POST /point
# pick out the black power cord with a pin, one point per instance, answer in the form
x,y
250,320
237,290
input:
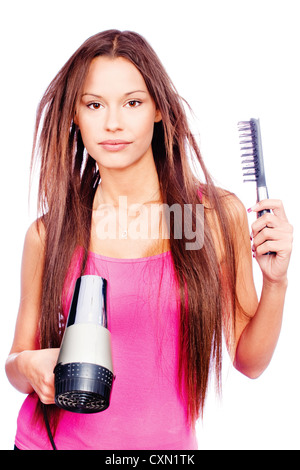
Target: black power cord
x,y
46,420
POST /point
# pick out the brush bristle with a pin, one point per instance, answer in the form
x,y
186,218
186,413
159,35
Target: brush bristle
x,y
248,146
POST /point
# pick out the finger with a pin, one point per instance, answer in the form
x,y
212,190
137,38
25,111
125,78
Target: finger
x,y
47,400
47,395
275,205
270,221
273,246
264,235
267,247
267,220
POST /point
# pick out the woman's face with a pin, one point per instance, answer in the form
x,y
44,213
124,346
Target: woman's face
x,y
116,114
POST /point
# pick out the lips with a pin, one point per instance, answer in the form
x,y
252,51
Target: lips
x,y
114,145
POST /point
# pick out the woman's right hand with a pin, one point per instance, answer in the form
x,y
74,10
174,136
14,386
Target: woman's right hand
x,y
37,366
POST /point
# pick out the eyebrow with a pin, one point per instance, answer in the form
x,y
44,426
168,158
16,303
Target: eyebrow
x,y
125,94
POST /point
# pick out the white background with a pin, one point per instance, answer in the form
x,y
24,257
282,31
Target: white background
x,y
231,60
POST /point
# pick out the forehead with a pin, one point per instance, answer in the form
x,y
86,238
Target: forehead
x,y
118,74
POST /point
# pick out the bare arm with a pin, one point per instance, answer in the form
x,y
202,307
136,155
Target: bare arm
x,y
257,340
28,368
258,322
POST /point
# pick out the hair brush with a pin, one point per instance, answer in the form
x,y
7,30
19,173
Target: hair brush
x,y
252,159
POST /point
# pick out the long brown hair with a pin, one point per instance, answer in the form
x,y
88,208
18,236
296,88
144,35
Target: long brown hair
x,y
68,181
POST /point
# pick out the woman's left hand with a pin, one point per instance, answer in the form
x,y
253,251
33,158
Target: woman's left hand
x,y
272,233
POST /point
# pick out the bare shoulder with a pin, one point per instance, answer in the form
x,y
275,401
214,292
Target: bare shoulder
x,y
228,199
235,206
237,215
232,204
33,254
235,218
36,235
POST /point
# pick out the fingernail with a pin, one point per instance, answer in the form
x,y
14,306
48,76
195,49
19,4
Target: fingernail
x,y
249,210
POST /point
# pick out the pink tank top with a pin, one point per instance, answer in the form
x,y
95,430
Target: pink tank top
x,y
146,410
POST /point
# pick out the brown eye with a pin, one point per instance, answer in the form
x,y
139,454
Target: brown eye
x,y
94,105
134,103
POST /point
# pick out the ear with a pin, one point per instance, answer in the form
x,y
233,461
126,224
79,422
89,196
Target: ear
x,y
157,117
75,120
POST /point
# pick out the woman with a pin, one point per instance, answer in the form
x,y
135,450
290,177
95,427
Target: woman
x,y
112,116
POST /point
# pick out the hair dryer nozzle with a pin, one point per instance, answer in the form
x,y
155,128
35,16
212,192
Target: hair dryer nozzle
x,y
84,370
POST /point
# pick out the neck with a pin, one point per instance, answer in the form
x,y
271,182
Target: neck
x,y
139,186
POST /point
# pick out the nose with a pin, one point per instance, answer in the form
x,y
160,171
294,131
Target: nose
x,y
113,119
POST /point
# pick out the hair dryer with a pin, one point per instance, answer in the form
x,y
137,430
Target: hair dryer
x,y
84,369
